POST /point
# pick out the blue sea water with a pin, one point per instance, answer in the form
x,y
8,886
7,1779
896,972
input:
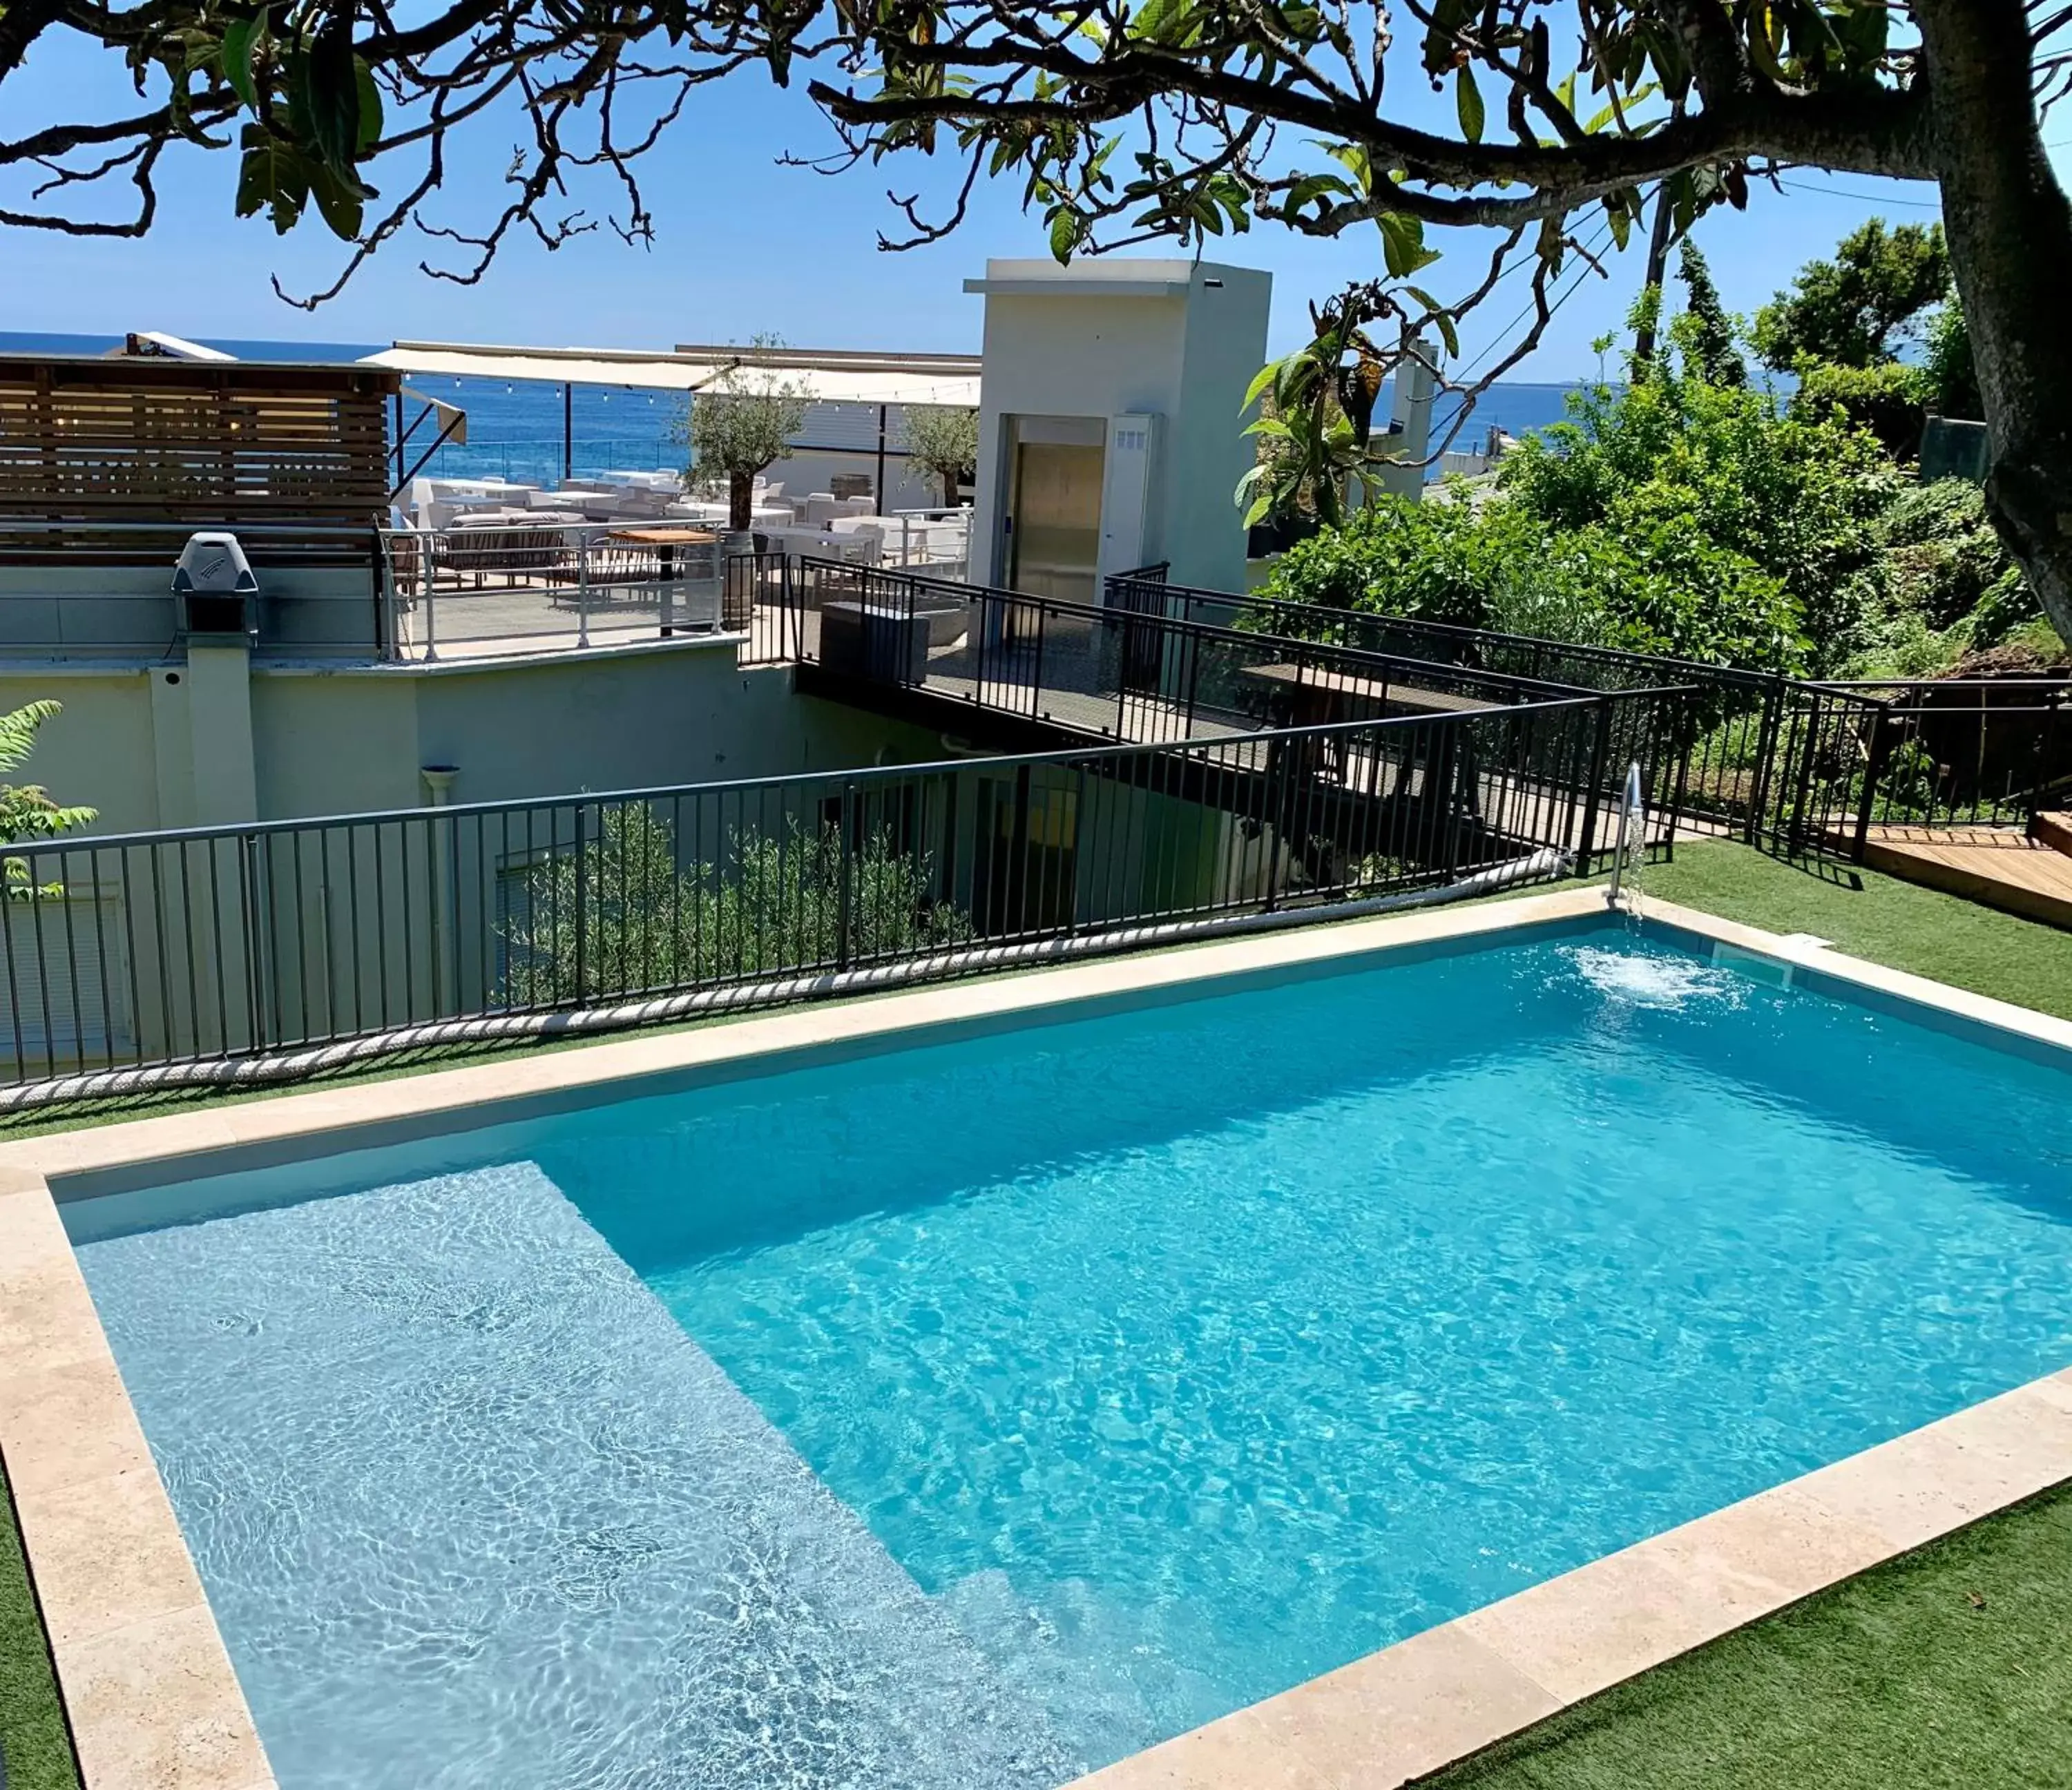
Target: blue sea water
x,y
1115,1371
514,426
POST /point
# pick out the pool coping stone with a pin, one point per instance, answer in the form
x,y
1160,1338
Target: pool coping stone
x,y
154,1703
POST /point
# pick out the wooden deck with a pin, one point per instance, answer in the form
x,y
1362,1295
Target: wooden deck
x,y
1999,866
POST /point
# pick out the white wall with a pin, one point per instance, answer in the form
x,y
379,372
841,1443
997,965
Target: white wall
x,y
335,740
1178,340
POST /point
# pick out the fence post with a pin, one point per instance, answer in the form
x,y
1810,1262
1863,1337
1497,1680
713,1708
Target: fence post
x,y
1766,749
1880,750
1036,676
428,544
253,901
582,590
842,879
1600,755
1682,731
2048,760
582,904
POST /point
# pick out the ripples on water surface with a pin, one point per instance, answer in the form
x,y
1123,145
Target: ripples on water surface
x,y
970,1415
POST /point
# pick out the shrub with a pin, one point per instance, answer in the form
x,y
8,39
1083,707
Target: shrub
x,y
1794,495
1646,578
1941,553
775,905
1888,400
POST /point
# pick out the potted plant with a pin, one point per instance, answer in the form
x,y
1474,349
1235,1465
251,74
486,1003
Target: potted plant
x,y
943,437
740,423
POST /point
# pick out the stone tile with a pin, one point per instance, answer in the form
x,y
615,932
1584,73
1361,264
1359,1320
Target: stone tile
x,y
32,1236
19,1178
1922,1485
47,1319
1404,1711
69,1424
1757,1556
155,1706
1239,1752
107,1553
1588,1629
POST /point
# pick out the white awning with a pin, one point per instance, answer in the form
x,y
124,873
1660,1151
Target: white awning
x,y
885,381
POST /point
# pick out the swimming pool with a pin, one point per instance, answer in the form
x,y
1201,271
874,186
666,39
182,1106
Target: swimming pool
x,y
978,1412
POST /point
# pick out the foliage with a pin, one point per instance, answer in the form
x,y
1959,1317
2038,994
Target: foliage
x,y
1649,583
1315,421
1885,400
1793,495
741,423
1677,514
1854,311
943,437
1714,356
1945,584
1950,381
778,904
26,811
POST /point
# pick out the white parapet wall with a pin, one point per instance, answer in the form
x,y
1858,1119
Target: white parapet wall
x,y
1145,363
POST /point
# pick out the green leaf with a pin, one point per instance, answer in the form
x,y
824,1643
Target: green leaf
x,y
370,107
1403,245
1622,224
1264,377
238,38
1468,97
340,200
330,92
272,176
1161,20
1064,234
1353,158
1442,319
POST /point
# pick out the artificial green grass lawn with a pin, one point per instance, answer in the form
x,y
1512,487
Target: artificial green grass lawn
x,y
1899,925
1952,1667
35,1747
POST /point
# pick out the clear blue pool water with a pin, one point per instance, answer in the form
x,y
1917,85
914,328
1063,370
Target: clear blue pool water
x,y
974,1414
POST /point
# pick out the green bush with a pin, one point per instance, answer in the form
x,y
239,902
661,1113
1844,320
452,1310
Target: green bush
x,y
1793,495
1645,579
1886,400
1438,561
1941,553
775,905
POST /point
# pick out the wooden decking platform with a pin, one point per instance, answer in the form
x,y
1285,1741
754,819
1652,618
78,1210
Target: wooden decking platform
x,y
2000,866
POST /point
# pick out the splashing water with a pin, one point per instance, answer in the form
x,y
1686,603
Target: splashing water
x,y
1665,982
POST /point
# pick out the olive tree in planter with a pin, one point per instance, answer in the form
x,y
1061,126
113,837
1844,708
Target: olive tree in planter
x,y
743,421
943,437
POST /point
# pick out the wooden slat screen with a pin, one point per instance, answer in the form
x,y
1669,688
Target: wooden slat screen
x,y
191,445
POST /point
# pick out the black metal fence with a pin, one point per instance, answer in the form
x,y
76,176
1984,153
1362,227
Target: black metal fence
x,y
1107,671
1790,765
212,946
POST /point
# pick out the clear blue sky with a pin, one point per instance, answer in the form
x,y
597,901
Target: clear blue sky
x,y
746,245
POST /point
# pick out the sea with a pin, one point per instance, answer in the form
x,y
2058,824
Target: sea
x,y
514,426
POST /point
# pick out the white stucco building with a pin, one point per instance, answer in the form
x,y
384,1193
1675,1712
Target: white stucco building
x,y
1112,419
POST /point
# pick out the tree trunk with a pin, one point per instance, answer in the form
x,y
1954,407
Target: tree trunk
x,y
740,501
2010,231
1658,272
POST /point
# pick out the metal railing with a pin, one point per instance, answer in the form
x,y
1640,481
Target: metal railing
x,y
516,586
1108,672
1953,753
165,952
1794,764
